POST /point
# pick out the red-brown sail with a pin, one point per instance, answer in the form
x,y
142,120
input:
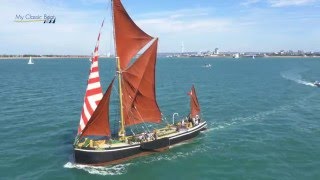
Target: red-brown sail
x,y
98,124
130,39
139,96
194,104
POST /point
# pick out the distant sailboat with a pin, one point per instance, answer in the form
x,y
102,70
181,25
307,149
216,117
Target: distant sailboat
x,y
95,143
30,60
207,66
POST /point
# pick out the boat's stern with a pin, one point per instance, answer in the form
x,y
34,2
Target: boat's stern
x,y
204,126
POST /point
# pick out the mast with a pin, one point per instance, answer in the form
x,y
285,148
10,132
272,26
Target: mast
x,y
137,80
122,131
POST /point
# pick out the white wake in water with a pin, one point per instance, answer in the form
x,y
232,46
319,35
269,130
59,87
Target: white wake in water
x,y
100,170
296,78
250,119
258,116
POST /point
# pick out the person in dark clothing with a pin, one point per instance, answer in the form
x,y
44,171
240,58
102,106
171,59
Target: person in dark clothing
x,y
190,120
155,136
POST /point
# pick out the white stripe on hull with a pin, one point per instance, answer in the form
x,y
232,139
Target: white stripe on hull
x,y
189,131
108,150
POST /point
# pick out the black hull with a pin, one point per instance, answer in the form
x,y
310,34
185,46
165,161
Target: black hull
x,y
155,145
175,139
112,155
187,135
83,156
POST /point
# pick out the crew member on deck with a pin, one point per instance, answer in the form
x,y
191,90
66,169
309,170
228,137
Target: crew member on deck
x,y
178,128
198,118
190,120
183,123
155,134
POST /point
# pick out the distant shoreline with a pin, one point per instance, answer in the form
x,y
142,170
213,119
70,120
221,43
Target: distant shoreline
x,y
55,57
291,57
205,57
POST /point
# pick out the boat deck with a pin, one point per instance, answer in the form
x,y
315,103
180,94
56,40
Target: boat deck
x,y
166,132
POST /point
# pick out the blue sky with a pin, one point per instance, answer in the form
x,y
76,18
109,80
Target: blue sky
x,y
242,25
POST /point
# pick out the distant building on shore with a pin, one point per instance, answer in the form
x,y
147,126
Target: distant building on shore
x,y
216,51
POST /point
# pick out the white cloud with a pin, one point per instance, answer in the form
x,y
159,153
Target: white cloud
x,y
178,13
249,2
188,25
282,3
164,25
182,20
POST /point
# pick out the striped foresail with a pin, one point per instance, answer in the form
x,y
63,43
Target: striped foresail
x,y
93,93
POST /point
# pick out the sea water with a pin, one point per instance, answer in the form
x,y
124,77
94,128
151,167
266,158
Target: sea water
x,y
263,119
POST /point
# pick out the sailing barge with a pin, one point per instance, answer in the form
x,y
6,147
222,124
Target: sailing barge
x,y
137,102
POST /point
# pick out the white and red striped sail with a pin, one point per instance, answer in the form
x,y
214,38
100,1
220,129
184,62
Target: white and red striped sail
x,y
93,93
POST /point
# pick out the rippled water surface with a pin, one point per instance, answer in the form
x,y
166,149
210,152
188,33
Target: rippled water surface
x,y
262,115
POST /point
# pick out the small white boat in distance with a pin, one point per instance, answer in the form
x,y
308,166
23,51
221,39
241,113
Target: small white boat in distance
x,y
30,60
207,66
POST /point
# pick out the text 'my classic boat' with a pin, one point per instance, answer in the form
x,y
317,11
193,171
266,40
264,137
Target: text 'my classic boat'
x,y
95,143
